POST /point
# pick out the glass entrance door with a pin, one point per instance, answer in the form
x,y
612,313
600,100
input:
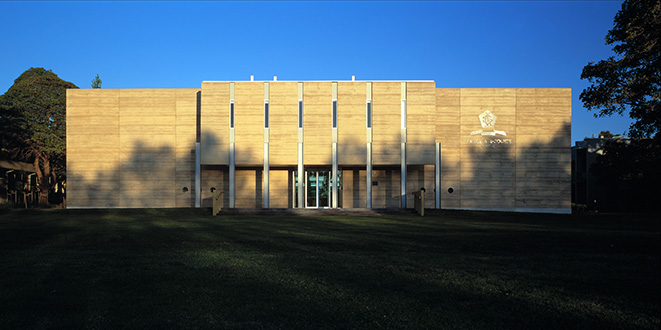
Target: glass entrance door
x,y
317,189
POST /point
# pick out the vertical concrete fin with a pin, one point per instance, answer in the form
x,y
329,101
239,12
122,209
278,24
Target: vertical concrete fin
x,y
232,169
198,190
403,134
437,175
300,170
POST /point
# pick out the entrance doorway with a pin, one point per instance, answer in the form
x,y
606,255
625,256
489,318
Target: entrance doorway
x,y
317,188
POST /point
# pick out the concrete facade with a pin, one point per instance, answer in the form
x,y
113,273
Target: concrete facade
x,y
489,148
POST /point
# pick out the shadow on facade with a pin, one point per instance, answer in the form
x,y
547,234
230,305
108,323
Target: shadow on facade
x,y
514,176
147,175
494,176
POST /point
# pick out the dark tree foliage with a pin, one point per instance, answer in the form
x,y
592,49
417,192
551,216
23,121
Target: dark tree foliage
x,y
33,113
10,123
630,170
630,80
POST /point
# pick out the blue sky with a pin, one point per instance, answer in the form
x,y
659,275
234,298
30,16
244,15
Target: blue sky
x,y
180,44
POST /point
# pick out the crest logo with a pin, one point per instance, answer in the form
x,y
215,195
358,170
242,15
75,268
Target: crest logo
x,y
488,122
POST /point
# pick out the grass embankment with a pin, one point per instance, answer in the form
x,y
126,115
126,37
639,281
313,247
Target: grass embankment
x,y
184,269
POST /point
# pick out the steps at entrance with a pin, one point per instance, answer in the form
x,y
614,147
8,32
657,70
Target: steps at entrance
x,y
319,212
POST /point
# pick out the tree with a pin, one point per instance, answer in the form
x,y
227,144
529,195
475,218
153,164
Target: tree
x,y
96,82
35,109
630,80
9,129
628,170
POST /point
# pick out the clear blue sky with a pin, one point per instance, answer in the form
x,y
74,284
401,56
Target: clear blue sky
x,y
181,44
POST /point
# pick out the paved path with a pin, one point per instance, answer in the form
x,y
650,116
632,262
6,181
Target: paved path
x,y
319,212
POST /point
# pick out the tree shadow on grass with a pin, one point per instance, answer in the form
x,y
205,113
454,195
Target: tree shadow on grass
x,y
181,268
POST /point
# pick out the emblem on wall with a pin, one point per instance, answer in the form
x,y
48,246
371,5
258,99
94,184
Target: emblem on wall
x,y
488,122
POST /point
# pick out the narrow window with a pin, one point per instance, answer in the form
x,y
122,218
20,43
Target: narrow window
x,y
231,113
300,113
369,113
266,113
334,113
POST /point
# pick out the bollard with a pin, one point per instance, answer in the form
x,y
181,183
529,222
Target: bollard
x,y
217,202
419,197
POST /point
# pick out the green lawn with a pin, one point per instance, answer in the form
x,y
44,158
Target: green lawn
x,y
114,269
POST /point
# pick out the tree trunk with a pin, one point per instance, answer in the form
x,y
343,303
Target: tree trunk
x,y
43,196
40,174
42,178
45,184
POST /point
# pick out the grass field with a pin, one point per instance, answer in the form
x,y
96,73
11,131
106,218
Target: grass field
x,y
114,269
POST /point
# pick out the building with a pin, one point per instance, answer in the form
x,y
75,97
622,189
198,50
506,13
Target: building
x,y
586,189
18,183
349,144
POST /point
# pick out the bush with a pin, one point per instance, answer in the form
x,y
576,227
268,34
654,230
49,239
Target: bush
x,y
7,205
579,208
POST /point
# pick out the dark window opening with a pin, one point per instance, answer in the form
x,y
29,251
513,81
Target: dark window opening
x,y
266,115
232,115
300,114
334,113
369,114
